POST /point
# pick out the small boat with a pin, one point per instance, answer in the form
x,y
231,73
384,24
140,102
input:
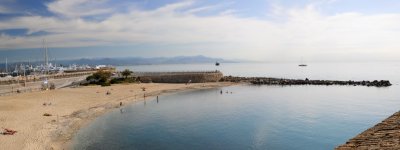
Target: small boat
x,y
302,64
217,63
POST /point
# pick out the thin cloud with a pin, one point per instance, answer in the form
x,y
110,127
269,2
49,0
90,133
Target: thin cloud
x,y
79,8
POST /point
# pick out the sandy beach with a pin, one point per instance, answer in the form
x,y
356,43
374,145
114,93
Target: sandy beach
x,y
70,109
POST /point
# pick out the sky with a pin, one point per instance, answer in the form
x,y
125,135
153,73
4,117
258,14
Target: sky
x,y
258,30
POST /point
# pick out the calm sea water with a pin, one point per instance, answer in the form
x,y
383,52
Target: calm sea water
x,y
251,117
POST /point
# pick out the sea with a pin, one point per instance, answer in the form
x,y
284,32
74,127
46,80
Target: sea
x,y
301,117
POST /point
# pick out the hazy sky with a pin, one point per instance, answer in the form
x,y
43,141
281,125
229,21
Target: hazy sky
x,y
263,30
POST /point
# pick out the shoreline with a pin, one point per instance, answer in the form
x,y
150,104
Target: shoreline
x,y
71,109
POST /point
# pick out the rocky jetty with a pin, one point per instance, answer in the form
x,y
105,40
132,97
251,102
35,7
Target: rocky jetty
x,y
278,81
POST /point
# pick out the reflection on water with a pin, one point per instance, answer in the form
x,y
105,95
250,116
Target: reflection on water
x,y
252,117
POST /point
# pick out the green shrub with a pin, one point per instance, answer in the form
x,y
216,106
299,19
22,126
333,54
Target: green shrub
x,y
126,73
122,80
130,80
99,78
105,84
116,80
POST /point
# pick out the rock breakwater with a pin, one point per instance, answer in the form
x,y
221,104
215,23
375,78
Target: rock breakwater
x,y
281,81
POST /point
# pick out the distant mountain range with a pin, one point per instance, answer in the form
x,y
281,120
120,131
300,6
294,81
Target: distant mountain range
x,y
145,61
131,61
135,61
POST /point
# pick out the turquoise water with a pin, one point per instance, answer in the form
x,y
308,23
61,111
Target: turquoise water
x,y
251,117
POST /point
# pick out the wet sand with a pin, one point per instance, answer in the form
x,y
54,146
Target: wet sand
x,y
70,109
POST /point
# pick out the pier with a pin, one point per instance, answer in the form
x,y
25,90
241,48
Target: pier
x,y
283,82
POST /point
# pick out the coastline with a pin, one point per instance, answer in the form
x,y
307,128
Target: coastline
x,y
71,109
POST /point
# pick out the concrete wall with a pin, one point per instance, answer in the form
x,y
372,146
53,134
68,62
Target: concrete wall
x,y
34,82
180,77
6,89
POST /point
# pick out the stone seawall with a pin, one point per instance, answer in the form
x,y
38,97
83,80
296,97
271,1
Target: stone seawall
x,y
179,77
384,135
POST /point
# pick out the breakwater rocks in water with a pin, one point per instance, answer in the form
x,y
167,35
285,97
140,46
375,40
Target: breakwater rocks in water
x,y
278,81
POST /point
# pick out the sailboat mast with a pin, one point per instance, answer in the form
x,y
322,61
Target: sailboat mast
x,y
46,57
24,75
16,69
6,66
